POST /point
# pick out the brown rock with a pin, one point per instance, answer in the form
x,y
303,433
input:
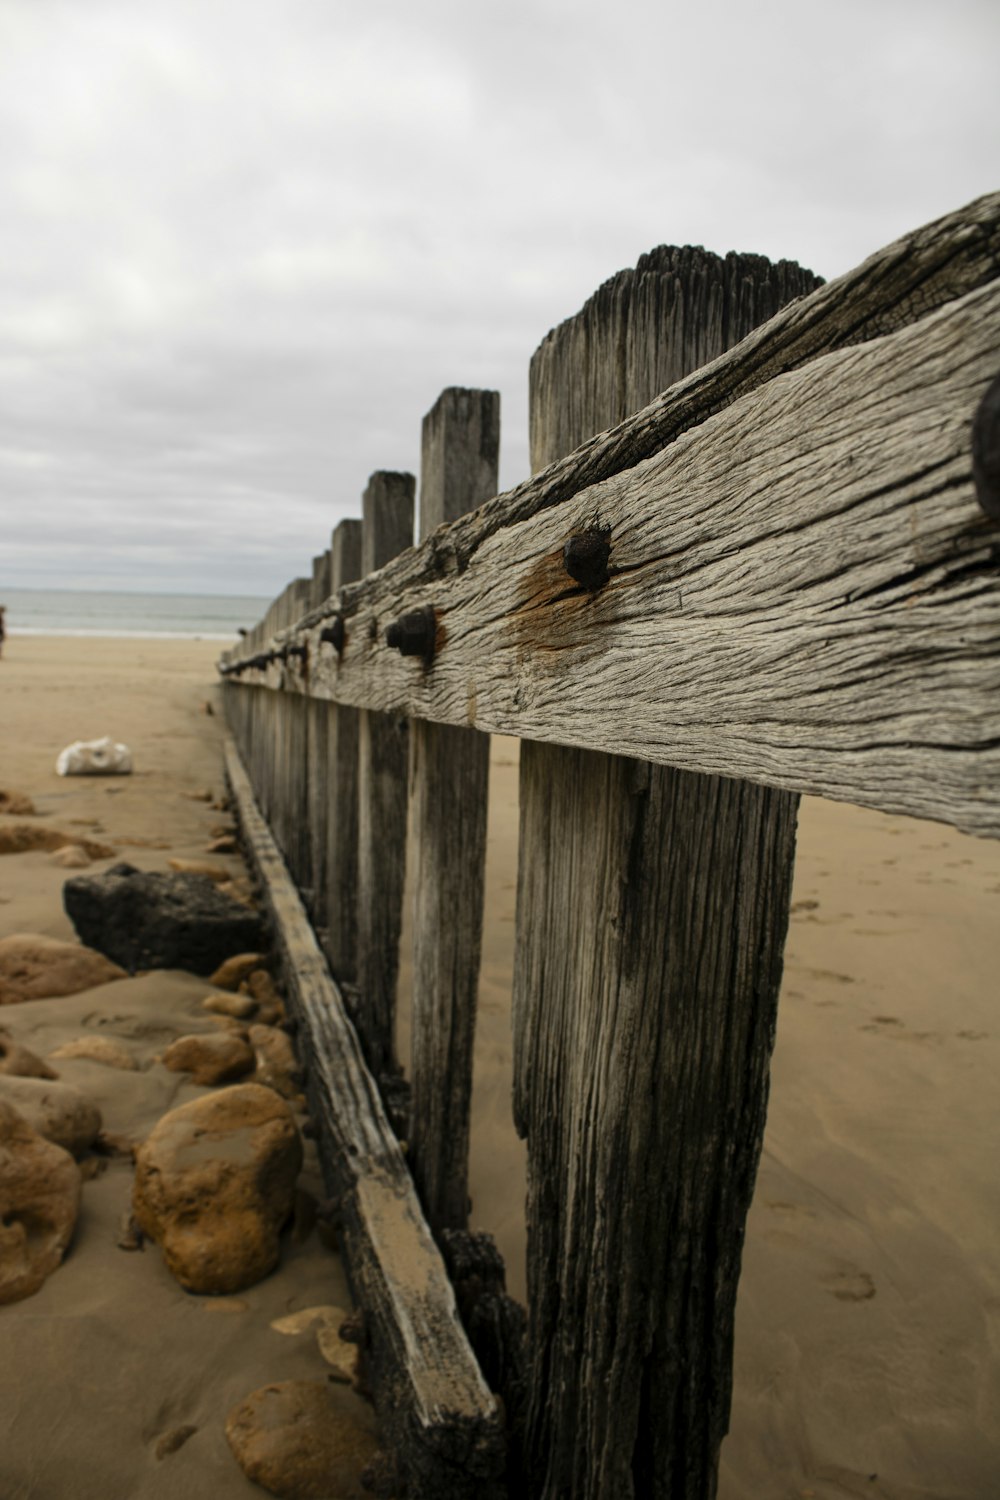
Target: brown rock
x,y
270,1006
71,857
61,1114
23,838
39,1203
211,1057
199,867
240,890
276,1060
239,1006
230,975
224,844
215,1182
33,967
303,1440
99,1049
19,1061
17,805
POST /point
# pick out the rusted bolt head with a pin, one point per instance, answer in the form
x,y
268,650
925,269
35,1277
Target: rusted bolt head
x,y
585,558
986,451
333,634
413,633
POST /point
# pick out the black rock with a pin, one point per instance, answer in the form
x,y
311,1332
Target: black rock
x,y
146,920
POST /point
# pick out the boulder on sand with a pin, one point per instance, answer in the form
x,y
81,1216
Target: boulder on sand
x,y
33,967
39,1203
144,919
21,1062
303,1441
211,1057
56,1111
215,1182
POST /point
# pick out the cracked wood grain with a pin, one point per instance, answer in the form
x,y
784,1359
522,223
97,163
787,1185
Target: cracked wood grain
x,y
803,593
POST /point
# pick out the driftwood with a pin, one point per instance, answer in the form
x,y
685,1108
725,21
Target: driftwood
x,y
435,1411
802,592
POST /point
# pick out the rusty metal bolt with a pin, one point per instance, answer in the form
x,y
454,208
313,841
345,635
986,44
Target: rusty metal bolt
x,y
585,558
986,451
333,634
413,633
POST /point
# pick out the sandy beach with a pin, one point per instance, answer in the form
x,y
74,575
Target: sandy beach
x,y
868,1329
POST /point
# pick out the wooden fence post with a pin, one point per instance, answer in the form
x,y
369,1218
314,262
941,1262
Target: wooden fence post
x,y
652,908
341,826
387,528
449,785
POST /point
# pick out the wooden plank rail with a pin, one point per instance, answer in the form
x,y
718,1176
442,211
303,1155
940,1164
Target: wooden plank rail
x,y
433,1405
802,591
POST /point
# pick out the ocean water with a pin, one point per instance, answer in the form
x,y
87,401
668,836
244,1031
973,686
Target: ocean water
x,y
215,617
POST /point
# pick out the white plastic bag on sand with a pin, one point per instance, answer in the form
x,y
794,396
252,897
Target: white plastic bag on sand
x,y
95,758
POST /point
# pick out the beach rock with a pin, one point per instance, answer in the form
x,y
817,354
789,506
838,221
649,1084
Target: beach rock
x,y
238,1006
61,1114
225,844
17,805
214,1183
231,974
101,757
212,1057
276,1060
240,890
39,1204
270,1006
150,920
99,1049
303,1440
26,838
216,873
20,1062
33,967
71,857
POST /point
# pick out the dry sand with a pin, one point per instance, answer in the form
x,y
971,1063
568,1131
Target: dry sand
x,y
868,1330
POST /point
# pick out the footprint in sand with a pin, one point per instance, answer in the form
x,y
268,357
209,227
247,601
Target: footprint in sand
x,y
850,1285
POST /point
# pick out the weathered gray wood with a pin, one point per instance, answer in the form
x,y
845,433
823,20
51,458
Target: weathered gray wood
x,y
449,778
433,1406
387,527
342,788
641,1094
804,593
643,331
651,917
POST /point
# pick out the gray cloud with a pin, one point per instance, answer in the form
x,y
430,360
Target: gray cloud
x,y
243,246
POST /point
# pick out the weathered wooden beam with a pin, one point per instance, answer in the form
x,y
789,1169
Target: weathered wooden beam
x,y
803,591
387,528
449,779
433,1405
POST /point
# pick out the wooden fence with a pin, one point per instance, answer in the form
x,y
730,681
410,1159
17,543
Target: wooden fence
x,y
779,576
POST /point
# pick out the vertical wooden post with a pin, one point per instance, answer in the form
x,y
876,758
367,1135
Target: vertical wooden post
x,y
387,528
652,909
317,794
342,789
449,784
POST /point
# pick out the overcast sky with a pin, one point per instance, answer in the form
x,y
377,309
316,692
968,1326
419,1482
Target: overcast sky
x,y
245,243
